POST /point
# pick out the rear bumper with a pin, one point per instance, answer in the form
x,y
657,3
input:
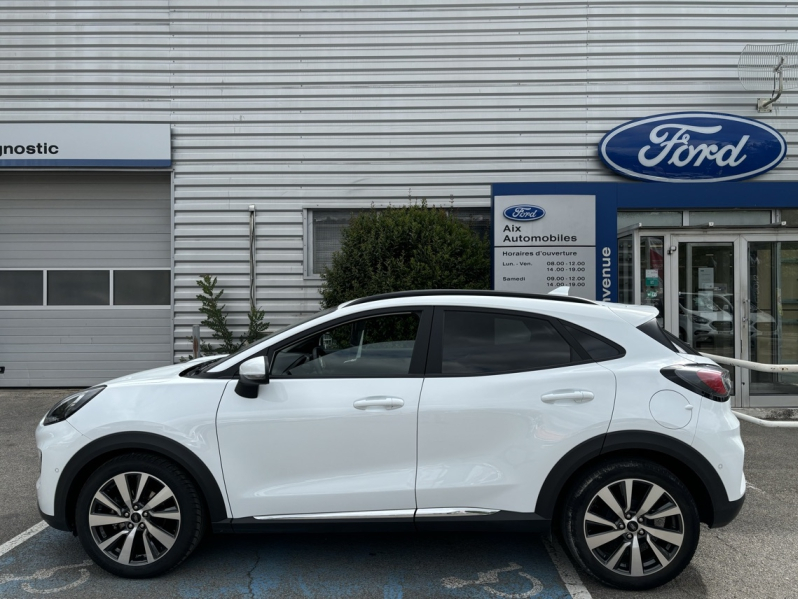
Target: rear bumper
x,y
726,511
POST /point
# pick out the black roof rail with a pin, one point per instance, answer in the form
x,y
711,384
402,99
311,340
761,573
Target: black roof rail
x,y
477,292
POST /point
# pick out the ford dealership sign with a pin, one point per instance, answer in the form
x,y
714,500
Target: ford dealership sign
x,y
524,212
692,147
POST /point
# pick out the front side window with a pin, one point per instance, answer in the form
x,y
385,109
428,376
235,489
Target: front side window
x,y
491,343
381,346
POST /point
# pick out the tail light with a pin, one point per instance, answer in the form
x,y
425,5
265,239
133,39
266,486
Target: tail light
x,y
709,381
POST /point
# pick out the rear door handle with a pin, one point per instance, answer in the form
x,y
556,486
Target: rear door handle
x,y
377,403
575,395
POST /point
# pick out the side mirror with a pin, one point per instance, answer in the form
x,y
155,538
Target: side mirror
x,y
251,374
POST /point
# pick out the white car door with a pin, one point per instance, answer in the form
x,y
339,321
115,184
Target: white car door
x,y
506,396
334,429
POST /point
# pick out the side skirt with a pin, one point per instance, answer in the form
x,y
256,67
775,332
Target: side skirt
x,y
452,519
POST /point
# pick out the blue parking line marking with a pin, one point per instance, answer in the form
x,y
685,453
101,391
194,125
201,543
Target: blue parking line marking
x,y
398,566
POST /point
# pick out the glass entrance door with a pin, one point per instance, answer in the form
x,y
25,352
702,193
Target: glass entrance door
x,y
736,295
707,298
771,315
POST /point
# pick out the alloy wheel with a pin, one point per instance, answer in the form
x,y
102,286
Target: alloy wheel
x,y
134,518
634,527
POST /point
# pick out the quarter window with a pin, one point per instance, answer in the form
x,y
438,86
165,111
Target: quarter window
x,y
489,343
381,346
596,347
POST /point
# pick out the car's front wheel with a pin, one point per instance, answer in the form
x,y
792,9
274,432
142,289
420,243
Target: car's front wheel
x,y
632,524
138,516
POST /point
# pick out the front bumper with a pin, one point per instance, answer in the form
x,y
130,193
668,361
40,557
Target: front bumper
x,y
57,444
54,522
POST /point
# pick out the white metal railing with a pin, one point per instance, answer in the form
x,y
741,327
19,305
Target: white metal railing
x,y
781,368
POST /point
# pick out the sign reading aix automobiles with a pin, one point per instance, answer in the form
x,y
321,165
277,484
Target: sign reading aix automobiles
x,y
541,242
692,147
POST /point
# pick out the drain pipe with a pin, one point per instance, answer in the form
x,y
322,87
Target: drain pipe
x,y
252,263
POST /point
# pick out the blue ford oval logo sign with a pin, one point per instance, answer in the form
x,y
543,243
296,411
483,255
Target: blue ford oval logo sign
x,y
692,147
524,212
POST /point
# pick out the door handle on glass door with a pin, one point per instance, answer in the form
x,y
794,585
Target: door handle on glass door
x,y
385,403
575,395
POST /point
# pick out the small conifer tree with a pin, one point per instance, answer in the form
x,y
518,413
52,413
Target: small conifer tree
x,y
216,321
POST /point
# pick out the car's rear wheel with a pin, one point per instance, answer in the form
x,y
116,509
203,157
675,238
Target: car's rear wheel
x,y
139,516
632,524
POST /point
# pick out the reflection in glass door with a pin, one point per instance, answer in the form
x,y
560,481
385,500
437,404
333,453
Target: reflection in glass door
x,y
706,297
772,316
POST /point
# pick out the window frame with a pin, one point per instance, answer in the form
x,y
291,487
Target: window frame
x,y
110,306
435,353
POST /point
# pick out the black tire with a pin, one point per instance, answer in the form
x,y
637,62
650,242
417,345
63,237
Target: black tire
x,y
634,553
163,533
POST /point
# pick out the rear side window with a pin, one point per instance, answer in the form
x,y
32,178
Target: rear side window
x,y
597,347
490,343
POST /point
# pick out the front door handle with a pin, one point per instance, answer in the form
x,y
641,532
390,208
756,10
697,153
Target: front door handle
x,y
381,402
575,395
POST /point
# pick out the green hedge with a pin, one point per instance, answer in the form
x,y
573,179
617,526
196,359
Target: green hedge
x,y
405,248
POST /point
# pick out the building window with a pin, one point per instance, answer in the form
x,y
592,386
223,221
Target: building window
x,y
142,287
325,228
21,288
657,218
90,287
727,217
79,288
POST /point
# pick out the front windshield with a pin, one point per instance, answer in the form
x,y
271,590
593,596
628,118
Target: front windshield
x,y
299,322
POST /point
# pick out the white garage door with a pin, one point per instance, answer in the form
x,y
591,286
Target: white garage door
x,y
85,279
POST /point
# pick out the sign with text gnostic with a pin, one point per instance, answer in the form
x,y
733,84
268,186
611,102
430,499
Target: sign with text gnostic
x,y
692,147
111,145
542,242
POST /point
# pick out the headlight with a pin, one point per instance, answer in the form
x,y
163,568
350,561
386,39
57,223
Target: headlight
x,y
69,405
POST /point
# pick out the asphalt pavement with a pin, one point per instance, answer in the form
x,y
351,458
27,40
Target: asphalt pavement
x,y
755,556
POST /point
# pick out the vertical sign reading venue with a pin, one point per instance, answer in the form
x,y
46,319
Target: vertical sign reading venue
x,y
541,242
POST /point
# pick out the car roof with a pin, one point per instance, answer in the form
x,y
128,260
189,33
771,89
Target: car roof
x,y
464,292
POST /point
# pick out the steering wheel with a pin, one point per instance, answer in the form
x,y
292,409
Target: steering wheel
x,y
298,362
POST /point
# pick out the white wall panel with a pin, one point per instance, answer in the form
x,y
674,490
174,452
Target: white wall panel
x,y
334,103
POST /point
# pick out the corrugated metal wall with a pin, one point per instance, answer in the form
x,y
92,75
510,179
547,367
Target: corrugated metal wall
x,y
345,103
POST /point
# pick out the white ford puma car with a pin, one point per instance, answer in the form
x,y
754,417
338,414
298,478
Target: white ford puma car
x,y
422,410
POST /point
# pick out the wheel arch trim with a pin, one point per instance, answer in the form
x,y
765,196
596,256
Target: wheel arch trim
x,y
100,450
644,444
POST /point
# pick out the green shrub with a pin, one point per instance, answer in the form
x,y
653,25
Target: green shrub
x,y
405,248
216,321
